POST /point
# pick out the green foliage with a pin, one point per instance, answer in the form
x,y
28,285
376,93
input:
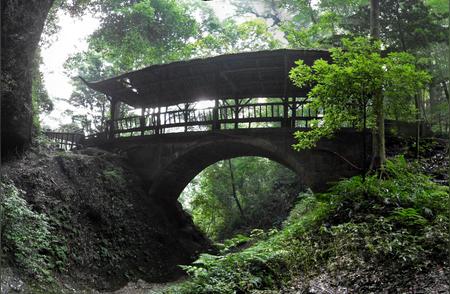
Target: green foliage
x,y
233,243
399,221
144,32
40,101
114,176
255,268
91,66
35,109
231,37
409,217
416,24
438,6
306,203
27,235
320,25
349,85
214,210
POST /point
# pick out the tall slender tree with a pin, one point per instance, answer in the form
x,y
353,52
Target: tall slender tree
x,y
379,140
233,186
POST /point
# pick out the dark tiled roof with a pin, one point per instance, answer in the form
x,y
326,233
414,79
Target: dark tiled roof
x,y
242,75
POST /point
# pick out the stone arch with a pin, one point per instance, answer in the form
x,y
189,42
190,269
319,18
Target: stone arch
x,y
168,163
177,174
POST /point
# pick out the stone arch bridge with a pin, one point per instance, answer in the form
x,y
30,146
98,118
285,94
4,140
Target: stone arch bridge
x,y
168,163
191,114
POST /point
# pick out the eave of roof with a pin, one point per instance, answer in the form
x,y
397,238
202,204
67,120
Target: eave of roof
x,y
241,75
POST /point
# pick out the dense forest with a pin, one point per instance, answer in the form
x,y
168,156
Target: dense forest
x,y
82,215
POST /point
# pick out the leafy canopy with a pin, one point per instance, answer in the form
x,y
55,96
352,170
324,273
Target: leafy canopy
x,y
346,86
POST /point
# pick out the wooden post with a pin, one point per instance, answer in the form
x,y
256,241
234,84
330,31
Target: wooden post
x,y
115,113
294,111
142,121
285,121
216,124
186,116
236,113
285,112
158,121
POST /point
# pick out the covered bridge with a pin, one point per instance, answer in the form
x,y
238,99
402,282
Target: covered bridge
x,y
197,112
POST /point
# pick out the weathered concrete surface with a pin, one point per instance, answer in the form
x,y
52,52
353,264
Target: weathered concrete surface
x,y
167,163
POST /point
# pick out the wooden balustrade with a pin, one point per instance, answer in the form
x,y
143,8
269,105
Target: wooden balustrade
x,y
66,141
226,116
291,114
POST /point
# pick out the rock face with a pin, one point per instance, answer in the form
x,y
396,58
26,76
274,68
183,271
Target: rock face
x,y
22,24
11,282
113,230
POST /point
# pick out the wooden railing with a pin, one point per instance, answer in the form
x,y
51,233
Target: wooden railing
x,y
66,141
293,114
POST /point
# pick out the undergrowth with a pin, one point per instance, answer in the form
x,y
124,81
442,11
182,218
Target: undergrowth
x,y
27,235
398,222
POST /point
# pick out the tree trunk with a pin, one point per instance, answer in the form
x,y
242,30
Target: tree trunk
x,y
448,119
434,118
444,86
379,156
364,157
233,186
22,24
418,125
375,19
379,141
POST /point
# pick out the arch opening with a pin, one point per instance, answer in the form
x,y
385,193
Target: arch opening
x,y
170,178
241,194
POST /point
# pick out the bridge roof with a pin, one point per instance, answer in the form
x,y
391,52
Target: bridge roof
x,y
242,75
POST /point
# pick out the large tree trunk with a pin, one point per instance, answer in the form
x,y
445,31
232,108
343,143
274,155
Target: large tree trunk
x,y
22,24
379,141
448,116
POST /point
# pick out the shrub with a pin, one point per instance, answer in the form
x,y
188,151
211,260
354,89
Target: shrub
x,y
114,176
